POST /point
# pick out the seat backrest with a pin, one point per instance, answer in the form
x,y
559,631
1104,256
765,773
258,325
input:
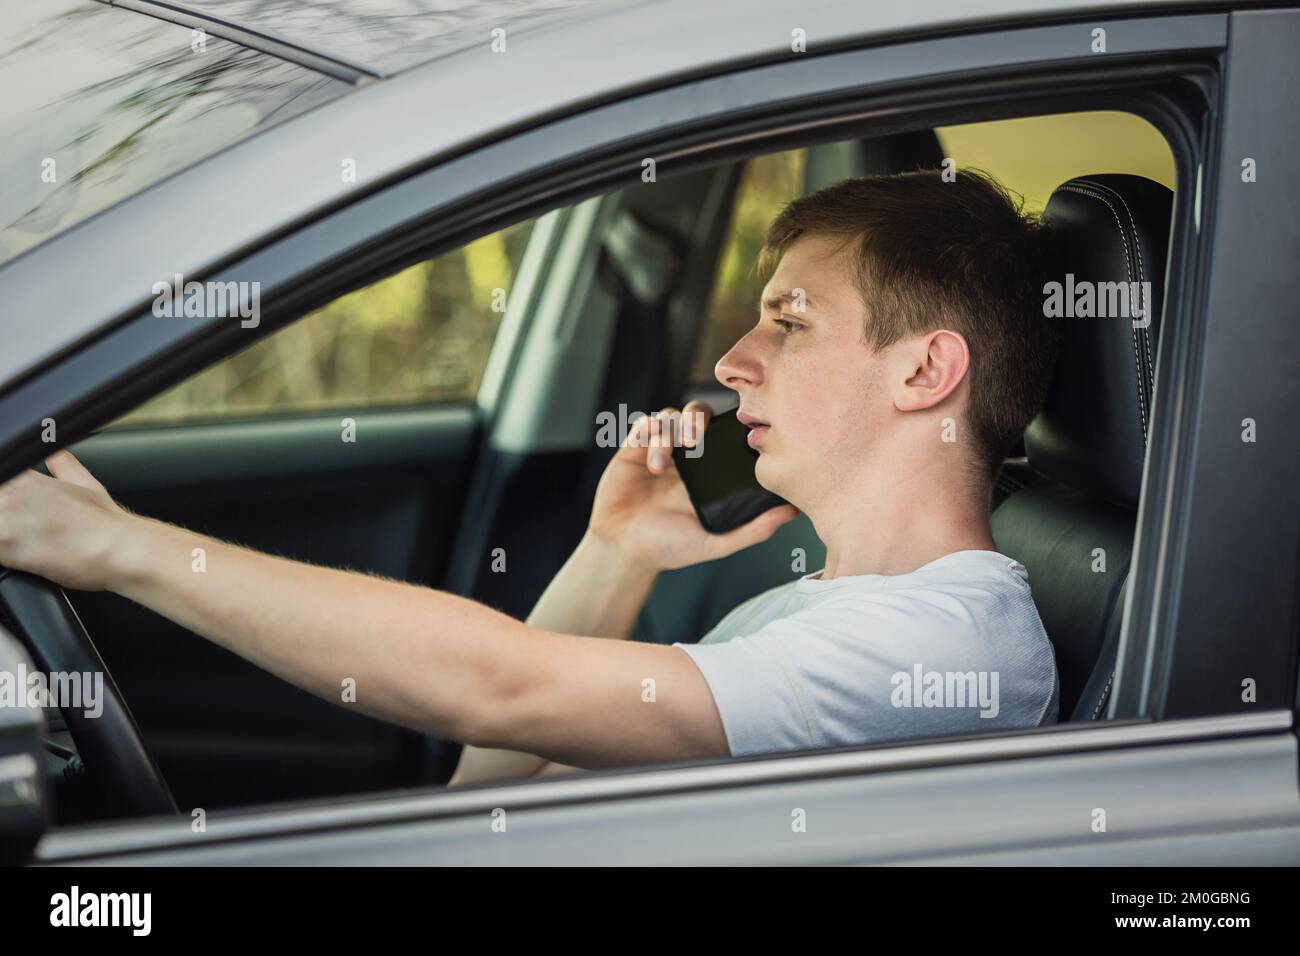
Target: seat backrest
x,y
685,604
1072,528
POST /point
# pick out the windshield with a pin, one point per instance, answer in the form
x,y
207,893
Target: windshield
x,y
393,35
100,103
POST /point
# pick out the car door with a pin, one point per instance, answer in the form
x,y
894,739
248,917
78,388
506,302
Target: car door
x,y
1186,772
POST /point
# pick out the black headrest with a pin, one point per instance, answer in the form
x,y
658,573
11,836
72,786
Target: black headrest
x,y
1091,433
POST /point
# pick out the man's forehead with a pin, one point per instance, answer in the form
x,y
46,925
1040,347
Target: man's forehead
x,y
796,297
811,270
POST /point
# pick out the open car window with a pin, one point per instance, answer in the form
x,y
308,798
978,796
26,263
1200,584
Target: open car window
x,y
1031,156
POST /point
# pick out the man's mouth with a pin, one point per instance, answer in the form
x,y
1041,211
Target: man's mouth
x,y
757,428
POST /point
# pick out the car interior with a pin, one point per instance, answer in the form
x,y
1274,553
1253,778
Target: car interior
x,y
435,487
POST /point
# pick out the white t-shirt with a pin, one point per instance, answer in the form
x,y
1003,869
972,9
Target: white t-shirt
x,y
953,647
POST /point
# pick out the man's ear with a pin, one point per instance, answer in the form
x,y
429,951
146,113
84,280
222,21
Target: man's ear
x,y
936,364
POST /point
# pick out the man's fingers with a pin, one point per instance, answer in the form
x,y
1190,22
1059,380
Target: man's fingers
x,y
64,466
695,419
659,433
665,429
751,532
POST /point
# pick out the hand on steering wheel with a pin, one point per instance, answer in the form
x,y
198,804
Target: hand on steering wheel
x,y
37,518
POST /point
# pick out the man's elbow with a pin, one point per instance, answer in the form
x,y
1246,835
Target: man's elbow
x,y
493,714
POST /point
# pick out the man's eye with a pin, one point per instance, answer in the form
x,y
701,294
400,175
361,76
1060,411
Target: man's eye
x,y
786,325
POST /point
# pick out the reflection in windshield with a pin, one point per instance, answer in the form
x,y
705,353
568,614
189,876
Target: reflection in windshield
x,y
393,35
101,103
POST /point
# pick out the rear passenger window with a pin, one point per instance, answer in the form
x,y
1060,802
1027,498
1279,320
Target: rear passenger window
x,y
1034,155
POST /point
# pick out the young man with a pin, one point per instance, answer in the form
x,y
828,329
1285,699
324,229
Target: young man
x,y
900,350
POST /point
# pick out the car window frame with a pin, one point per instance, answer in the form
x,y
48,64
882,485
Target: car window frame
x,y
1179,636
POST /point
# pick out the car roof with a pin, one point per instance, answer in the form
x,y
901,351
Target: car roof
x,y
595,54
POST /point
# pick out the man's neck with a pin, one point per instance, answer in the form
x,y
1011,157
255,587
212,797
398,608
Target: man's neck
x,y
900,528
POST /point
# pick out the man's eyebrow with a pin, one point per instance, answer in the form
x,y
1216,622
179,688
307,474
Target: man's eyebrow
x,y
774,302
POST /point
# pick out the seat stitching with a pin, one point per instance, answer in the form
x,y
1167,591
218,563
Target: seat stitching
x,y
1128,263
1137,244
1105,695
1008,483
1140,352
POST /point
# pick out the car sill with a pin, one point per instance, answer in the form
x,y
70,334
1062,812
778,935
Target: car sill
x,y
82,845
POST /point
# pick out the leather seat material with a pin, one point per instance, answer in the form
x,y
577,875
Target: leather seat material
x,y
1077,550
685,604
1089,442
1093,427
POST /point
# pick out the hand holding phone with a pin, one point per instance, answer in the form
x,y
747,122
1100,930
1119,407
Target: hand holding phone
x,y
719,476
643,508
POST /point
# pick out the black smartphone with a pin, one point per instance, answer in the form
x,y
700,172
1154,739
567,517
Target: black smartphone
x,y
719,476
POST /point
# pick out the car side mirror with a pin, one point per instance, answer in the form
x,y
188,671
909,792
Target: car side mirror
x,y
22,756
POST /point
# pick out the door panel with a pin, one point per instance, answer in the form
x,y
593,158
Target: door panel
x,y
1210,792
223,731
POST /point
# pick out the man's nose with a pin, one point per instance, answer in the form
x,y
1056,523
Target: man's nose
x,y
740,366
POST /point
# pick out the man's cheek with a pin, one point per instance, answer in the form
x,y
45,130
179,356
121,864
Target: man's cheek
x,y
850,430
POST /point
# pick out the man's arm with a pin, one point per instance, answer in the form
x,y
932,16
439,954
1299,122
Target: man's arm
x,y
416,656
598,592
423,658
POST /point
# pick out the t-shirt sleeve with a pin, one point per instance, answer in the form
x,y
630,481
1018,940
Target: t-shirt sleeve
x,y
825,676
757,695
790,684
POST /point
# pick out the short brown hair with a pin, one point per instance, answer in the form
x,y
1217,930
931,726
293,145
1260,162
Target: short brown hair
x,y
933,253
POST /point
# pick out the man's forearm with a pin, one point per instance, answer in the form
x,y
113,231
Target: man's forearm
x,y
415,656
596,593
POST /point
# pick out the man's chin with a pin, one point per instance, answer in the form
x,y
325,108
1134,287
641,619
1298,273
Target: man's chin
x,y
768,474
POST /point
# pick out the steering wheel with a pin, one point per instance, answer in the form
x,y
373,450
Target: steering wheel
x,y
110,744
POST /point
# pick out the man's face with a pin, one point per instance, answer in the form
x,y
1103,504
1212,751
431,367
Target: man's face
x,y
810,376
